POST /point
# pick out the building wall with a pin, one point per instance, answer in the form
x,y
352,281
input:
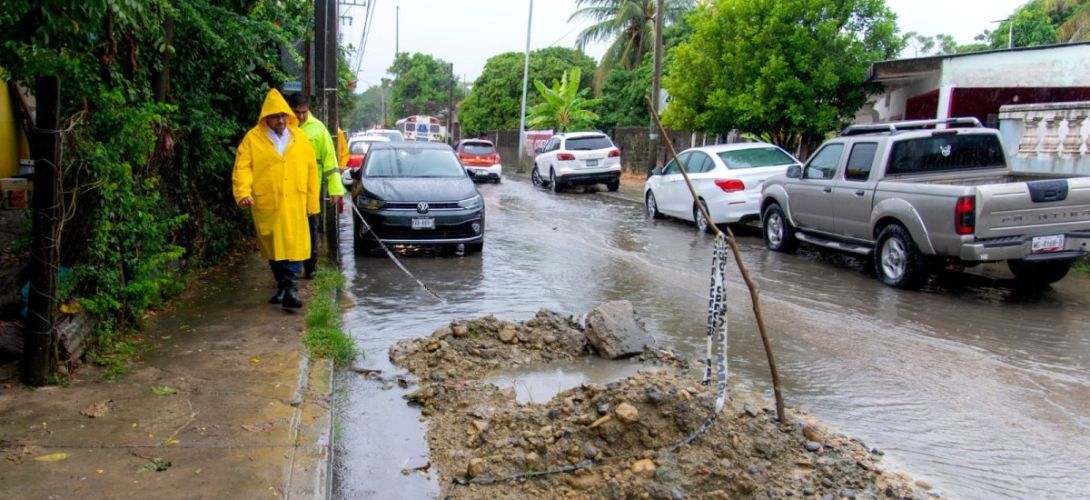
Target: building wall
x,y
890,105
1063,66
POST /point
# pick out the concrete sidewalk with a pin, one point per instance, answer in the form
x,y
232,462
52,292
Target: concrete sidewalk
x,y
225,405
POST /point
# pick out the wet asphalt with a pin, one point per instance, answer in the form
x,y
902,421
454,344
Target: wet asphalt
x,y
975,387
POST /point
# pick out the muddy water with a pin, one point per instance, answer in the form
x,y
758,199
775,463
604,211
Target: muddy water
x,y
978,389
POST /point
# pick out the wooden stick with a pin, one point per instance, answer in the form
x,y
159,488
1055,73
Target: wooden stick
x,y
754,292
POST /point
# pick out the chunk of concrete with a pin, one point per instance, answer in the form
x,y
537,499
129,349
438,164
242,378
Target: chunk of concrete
x,y
615,332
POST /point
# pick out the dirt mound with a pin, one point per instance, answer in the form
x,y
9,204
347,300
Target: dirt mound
x,y
625,439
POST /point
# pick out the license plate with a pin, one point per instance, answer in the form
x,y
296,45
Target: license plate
x,y
592,163
423,223
1047,244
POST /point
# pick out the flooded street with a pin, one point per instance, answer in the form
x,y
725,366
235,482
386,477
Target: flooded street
x,y
977,389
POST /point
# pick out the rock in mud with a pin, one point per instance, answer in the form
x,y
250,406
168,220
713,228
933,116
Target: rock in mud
x,y
627,413
644,468
615,332
475,468
459,330
508,335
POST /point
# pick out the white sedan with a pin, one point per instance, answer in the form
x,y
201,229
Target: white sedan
x,y
727,178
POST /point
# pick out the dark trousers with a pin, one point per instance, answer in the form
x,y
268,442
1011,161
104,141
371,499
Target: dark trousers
x,y
311,265
285,272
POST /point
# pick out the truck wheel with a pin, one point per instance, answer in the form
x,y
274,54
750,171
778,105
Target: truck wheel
x,y
613,185
779,235
1039,274
898,261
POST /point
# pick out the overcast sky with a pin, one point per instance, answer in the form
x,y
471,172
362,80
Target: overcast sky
x,y
468,32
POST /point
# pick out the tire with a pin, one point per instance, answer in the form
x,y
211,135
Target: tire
x,y
702,225
652,206
554,183
499,180
778,232
535,178
363,244
898,261
613,186
473,247
1039,274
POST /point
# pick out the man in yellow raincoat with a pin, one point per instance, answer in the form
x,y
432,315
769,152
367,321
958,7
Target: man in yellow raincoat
x,y
276,176
327,165
342,149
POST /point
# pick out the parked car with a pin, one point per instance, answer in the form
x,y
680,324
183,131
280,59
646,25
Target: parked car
x,y
480,159
357,148
392,134
916,198
727,179
415,193
577,158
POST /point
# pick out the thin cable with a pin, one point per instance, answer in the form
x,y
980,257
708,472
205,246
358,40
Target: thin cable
x,y
367,229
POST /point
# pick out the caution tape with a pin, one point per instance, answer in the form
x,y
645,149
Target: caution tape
x,y
367,229
718,325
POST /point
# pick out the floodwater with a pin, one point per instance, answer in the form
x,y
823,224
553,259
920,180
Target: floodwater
x,y
970,385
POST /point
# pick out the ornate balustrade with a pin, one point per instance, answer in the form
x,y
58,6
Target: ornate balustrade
x,y
1048,137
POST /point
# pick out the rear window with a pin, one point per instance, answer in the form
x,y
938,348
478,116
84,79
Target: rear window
x,y
396,162
943,153
589,143
755,157
478,148
358,147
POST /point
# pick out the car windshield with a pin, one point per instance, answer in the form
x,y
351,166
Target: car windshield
x,y
411,162
358,147
755,157
946,152
478,148
392,135
588,143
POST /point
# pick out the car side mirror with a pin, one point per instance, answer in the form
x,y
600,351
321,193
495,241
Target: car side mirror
x,y
794,172
539,150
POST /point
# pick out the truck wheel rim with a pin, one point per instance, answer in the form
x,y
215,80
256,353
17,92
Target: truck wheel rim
x,y
651,206
893,258
775,229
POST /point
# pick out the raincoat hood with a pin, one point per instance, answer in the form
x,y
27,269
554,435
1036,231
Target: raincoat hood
x,y
274,105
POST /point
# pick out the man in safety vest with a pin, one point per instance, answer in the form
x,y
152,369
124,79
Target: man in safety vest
x,y
276,177
327,167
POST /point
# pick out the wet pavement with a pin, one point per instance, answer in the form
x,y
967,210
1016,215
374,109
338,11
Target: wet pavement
x,y
970,385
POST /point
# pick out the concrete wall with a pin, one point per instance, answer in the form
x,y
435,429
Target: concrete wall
x,y
892,103
1063,66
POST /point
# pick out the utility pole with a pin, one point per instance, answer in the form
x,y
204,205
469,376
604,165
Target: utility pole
x,y
450,106
656,83
38,350
397,31
525,82
325,90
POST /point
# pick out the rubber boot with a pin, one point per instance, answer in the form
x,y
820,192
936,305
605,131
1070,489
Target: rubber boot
x,y
290,300
279,297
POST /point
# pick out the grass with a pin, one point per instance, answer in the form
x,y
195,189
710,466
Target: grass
x,y
1082,266
324,337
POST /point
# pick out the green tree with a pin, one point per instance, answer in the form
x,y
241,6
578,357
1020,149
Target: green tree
x,y
421,85
628,26
1071,18
495,100
786,70
368,111
564,106
1032,27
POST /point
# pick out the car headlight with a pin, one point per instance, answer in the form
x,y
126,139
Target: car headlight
x,y
367,203
472,203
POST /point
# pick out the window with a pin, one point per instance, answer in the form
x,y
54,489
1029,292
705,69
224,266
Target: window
x,y
699,162
358,147
946,152
756,157
860,161
589,143
823,164
478,148
390,162
553,145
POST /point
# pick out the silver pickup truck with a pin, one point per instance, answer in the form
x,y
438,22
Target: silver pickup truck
x,y
915,197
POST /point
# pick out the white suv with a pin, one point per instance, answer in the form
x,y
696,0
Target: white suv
x,y
577,158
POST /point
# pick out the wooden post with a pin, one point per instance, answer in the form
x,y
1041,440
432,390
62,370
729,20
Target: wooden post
x,y
38,352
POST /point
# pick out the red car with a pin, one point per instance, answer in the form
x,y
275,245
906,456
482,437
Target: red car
x,y
480,159
358,146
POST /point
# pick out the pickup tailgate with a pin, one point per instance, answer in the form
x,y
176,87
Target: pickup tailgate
x,y
1037,207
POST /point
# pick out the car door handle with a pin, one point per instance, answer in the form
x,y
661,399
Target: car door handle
x,y
860,192
828,190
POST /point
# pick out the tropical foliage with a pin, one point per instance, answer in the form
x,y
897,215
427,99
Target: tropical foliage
x,y
147,174
786,70
494,103
628,26
421,85
564,106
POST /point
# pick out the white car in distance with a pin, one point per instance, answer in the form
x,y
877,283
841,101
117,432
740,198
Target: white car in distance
x,y
727,178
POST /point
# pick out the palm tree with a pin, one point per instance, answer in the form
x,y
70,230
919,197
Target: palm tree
x,y
564,106
1076,23
629,24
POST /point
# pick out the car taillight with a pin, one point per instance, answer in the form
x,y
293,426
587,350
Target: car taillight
x,y
730,185
497,158
355,161
462,156
614,153
965,215
565,156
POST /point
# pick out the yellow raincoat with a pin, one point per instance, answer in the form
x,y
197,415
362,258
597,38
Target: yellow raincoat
x,y
284,188
342,149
